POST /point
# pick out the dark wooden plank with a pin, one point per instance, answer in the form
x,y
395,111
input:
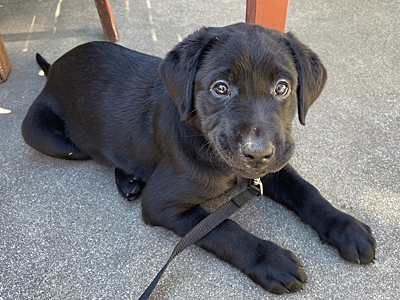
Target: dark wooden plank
x,y
5,66
107,20
267,13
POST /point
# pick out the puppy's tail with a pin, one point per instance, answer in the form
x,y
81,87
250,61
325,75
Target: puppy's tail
x,y
42,63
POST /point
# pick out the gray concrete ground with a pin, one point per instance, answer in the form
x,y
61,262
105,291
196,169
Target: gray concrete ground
x,y
65,233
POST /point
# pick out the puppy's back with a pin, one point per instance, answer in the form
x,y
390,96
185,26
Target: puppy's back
x,y
103,94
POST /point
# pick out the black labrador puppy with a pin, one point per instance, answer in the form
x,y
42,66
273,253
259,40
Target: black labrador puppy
x,y
189,128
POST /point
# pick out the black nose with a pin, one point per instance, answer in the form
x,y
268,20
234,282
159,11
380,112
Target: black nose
x,y
258,150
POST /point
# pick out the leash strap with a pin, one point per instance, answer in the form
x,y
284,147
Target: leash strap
x,y
207,224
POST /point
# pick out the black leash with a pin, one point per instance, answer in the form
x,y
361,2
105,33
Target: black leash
x,y
254,190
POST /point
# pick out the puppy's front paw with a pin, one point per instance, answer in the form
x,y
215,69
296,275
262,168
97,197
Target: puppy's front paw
x,y
351,237
276,269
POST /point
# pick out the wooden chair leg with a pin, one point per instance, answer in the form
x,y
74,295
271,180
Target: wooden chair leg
x,y
267,13
5,65
107,20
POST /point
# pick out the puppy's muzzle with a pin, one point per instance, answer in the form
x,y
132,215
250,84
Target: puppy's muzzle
x,y
259,156
257,152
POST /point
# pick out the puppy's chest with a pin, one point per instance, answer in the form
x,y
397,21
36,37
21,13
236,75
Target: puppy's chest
x,y
221,185
221,190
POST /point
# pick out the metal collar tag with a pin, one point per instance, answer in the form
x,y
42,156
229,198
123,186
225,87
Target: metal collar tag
x,y
257,182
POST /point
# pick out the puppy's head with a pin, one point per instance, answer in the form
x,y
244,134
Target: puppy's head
x,y
240,85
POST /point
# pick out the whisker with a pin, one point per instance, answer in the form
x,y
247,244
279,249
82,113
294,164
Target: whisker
x,y
206,144
194,135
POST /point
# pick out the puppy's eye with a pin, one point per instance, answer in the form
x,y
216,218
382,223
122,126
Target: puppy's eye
x,y
220,88
282,88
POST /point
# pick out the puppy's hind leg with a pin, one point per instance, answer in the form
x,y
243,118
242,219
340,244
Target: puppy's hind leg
x,y
44,131
129,186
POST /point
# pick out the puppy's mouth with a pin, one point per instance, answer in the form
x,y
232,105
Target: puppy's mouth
x,y
253,173
250,174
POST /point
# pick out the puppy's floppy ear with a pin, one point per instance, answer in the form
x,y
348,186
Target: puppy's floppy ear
x,y
179,67
311,75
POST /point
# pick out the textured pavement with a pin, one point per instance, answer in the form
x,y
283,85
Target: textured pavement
x,y
65,233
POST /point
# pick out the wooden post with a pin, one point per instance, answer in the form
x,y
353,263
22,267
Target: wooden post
x,y
267,13
107,20
5,65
